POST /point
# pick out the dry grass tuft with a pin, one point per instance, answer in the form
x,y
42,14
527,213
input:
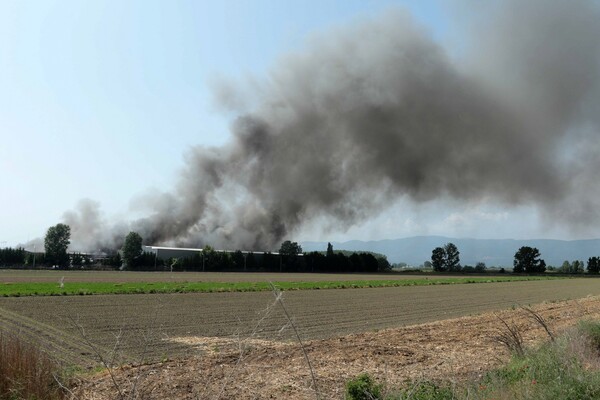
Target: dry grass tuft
x,y
26,372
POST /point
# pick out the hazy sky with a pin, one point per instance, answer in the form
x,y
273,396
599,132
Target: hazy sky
x,y
102,99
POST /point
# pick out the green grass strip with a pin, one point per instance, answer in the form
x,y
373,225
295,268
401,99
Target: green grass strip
x,y
88,288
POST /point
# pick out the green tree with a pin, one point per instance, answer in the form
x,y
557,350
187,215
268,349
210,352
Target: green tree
x,y
593,265
541,267
575,267
289,248
480,267
210,258
438,259
288,253
527,260
452,257
132,249
329,249
10,256
383,265
56,242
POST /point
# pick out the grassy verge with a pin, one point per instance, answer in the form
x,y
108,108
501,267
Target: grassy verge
x,y
87,288
567,369
26,372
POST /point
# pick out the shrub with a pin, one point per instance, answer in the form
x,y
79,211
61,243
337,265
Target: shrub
x,y
363,388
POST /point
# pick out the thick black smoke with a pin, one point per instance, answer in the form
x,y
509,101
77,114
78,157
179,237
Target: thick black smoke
x,y
377,111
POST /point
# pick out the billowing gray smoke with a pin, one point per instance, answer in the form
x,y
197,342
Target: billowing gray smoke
x,y
377,111
90,231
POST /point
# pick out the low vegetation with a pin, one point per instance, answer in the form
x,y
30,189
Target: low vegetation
x,y
26,372
88,288
565,368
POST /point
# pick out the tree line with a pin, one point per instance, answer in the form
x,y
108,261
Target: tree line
x,y
10,256
527,260
132,257
289,259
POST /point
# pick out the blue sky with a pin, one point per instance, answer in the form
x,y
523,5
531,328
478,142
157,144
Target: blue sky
x,y
101,99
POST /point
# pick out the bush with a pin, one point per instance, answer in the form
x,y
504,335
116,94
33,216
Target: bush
x,y
363,388
26,372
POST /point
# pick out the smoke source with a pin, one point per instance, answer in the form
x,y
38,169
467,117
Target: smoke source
x,y
377,110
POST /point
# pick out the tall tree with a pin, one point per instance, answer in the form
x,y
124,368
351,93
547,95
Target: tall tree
x,y
329,249
593,265
132,249
452,257
575,267
210,258
527,259
438,259
288,253
56,243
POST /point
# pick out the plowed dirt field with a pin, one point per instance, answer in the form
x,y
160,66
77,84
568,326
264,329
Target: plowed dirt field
x,y
452,350
139,328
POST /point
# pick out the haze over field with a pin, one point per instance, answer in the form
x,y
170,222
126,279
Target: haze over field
x,y
384,125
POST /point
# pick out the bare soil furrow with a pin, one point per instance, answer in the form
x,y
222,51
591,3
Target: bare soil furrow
x,y
137,325
62,346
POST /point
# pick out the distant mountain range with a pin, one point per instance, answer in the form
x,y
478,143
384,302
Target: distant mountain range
x,y
493,252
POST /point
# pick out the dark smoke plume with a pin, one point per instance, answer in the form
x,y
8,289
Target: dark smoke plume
x,y
377,111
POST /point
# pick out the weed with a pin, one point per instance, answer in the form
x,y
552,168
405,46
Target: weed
x,y
592,331
566,367
363,387
550,372
511,337
26,372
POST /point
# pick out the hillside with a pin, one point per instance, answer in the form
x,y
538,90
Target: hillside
x,y
494,252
